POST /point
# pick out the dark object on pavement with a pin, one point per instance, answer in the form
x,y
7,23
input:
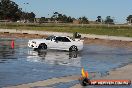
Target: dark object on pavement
x,y
84,81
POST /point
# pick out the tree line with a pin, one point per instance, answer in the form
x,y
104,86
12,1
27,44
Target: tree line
x,y
10,11
62,18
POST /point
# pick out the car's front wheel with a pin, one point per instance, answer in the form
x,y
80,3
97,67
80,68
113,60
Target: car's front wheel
x,y
42,46
73,48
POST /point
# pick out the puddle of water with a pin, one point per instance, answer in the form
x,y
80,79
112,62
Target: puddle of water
x,y
55,58
23,65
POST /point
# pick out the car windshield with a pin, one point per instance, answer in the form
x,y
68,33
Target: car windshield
x,y
72,38
50,37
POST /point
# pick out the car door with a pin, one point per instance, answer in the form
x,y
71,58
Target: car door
x,y
62,43
66,43
58,44
50,42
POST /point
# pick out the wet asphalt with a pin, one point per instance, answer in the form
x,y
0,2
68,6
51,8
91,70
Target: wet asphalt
x,y
21,64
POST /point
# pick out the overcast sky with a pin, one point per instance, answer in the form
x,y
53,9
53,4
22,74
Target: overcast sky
x,y
117,9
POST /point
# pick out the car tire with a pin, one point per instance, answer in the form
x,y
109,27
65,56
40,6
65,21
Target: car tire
x,y
42,46
73,48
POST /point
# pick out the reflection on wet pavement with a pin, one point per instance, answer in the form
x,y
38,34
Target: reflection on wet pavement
x,y
6,53
55,57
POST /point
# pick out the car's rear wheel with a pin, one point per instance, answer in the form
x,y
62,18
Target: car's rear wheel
x,y
73,48
42,46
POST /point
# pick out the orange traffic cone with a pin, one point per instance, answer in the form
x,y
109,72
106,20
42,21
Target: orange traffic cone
x,y
12,44
84,79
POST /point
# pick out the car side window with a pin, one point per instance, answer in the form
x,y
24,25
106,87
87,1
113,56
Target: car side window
x,y
62,39
58,39
66,39
50,38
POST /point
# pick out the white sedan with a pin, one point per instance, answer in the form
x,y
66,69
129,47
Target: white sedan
x,y
57,42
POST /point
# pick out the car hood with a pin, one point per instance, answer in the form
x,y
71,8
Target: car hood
x,y
38,40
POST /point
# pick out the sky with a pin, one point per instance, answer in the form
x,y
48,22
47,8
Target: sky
x,y
119,10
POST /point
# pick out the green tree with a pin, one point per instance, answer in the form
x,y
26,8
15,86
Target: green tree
x,y
55,16
109,20
31,17
69,19
99,19
84,20
43,20
129,19
9,10
64,19
61,18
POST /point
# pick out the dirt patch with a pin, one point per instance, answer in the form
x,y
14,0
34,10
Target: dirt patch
x,y
19,35
113,43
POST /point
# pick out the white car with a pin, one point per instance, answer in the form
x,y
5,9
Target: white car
x,y
57,42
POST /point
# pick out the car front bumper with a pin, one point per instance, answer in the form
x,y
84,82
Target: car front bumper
x,y
32,45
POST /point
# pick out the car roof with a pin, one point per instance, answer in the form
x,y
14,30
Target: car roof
x,y
60,36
